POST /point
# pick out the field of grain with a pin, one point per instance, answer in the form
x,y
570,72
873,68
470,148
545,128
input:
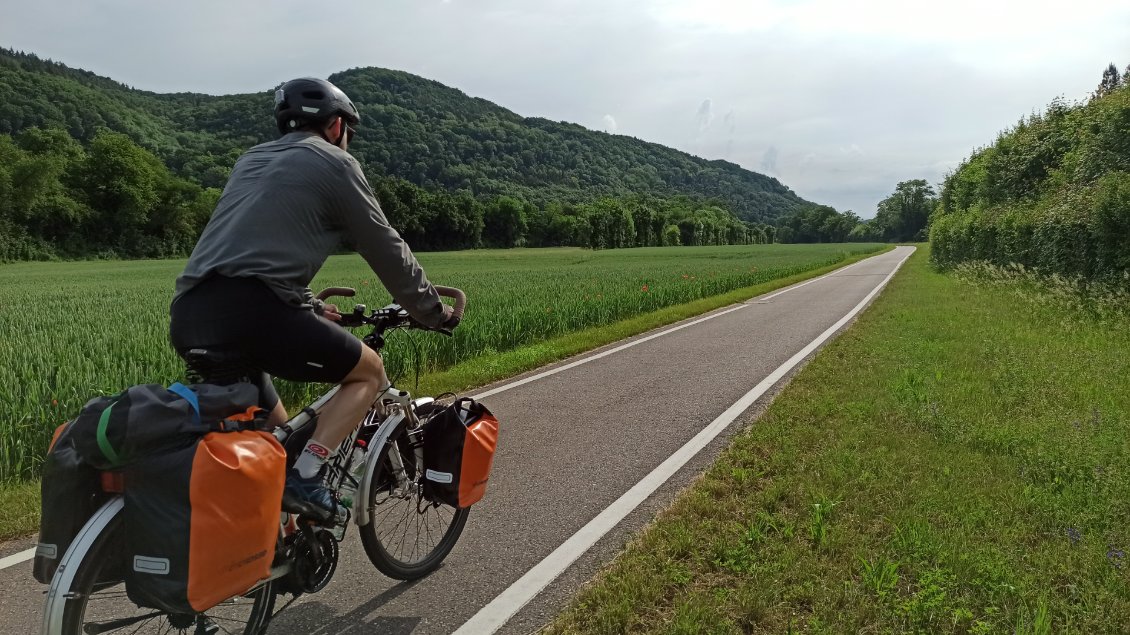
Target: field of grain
x,y
69,331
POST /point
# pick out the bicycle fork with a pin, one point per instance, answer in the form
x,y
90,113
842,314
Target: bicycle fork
x,y
381,444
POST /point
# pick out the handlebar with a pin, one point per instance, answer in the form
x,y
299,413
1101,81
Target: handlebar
x,y
329,292
457,295
393,315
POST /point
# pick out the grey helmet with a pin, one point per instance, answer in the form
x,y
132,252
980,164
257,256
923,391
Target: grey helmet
x,y
311,100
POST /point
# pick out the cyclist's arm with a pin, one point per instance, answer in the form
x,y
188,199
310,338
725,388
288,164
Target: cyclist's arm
x,y
385,251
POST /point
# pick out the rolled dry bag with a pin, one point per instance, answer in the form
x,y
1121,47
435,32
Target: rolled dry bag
x,y
70,493
149,419
459,444
202,521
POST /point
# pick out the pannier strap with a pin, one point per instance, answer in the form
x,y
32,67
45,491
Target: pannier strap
x,y
189,396
103,442
247,420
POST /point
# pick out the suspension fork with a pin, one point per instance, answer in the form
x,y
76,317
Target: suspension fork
x,y
403,414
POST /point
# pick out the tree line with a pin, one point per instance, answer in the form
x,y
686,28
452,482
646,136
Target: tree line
x,y
901,217
114,198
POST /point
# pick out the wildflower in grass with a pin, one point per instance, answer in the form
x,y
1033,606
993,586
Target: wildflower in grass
x,y
644,288
1074,535
1115,556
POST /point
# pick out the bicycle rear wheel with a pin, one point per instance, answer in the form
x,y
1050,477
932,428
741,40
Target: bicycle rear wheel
x,y
407,536
97,602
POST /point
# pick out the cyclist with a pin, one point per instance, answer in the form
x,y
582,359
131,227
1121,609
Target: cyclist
x,y
286,206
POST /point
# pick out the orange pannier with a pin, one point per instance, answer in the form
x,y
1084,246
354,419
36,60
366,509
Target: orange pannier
x,y
459,445
202,522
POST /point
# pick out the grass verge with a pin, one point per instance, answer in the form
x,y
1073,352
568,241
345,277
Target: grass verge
x,y
22,515
953,463
20,502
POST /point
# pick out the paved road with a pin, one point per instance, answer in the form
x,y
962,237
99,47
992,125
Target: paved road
x,y
571,444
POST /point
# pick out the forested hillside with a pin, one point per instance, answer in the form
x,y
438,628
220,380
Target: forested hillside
x,y
1053,193
439,159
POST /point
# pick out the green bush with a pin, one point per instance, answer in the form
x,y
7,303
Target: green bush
x,y
1052,194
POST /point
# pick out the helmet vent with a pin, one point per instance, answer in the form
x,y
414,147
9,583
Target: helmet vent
x,y
313,94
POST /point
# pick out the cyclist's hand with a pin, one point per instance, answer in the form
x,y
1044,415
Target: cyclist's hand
x,y
450,320
330,312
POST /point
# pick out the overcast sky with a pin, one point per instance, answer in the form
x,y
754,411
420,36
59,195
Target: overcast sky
x,y
839,100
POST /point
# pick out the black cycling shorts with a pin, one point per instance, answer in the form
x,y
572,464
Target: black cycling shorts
x,y
244,315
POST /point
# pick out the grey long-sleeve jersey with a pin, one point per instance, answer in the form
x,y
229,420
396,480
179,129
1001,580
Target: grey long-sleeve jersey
x,y
288,204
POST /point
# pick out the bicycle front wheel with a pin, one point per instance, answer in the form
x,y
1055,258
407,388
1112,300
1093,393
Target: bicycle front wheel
x,y
97,602
407,537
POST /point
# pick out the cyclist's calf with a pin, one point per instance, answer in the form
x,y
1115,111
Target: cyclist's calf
x,y
358,391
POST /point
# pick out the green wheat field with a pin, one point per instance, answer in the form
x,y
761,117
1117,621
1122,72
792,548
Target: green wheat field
x,y
70,331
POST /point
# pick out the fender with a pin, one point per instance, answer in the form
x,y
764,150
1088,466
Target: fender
x,y
77,553
371,460
361,512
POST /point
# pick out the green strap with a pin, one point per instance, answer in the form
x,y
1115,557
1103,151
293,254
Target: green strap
x,y
103,442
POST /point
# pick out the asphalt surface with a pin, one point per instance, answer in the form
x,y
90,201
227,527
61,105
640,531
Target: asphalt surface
x,y
570,444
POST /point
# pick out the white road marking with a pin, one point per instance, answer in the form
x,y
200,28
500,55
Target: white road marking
x,y
16,558
760,300
495,614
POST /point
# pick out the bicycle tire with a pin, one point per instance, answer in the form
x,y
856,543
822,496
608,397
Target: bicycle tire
x,y
389,560
90,581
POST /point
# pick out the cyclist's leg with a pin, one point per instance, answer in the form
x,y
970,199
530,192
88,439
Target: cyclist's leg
x,y
359,389
319,351
301,346
269,400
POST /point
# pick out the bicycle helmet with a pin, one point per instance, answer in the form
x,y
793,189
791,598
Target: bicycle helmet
x,y
310,100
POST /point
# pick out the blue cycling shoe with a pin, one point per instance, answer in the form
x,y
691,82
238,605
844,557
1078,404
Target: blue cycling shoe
x,y
308,496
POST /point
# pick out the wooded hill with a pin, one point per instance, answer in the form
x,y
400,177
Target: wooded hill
x,y
413,130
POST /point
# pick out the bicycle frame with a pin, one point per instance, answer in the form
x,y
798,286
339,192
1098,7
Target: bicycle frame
x,y
404,405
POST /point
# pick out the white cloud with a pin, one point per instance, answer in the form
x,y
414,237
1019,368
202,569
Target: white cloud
x,y
610,124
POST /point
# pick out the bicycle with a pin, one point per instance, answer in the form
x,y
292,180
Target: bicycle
x,y
379,464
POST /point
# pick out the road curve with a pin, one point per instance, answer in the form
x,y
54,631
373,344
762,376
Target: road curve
x,y
571,444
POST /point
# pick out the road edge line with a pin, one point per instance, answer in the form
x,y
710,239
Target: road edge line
x,y
17,558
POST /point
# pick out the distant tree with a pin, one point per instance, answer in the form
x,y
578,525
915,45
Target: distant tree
x,y
504,222
121,181
671,236
1110,82
904,215
864,232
